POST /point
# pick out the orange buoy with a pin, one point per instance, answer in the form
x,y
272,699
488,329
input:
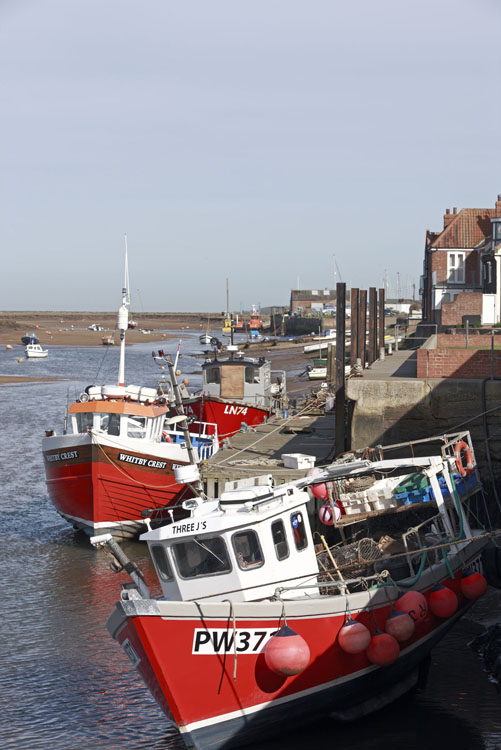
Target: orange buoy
x,y
473,584
20,360
414,604
354,637
443,602
8,346
400,625
286,652
383,649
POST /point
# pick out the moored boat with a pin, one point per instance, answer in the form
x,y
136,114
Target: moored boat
x,y
29,338
119,451
35,351
258,628
237,390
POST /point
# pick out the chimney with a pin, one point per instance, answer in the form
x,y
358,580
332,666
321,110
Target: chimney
x,y
498,206
448,217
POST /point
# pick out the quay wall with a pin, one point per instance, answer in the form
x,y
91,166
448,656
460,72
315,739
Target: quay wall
x,y
457,363
395,410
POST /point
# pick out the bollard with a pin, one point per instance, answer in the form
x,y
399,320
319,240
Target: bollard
x,y
389,350
381,352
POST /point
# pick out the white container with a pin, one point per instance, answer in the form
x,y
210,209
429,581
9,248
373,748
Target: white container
x,y
298,461
186,474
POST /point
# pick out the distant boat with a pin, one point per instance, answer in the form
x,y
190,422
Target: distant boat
x,y
108,340
131,325
29,338
35,351
95,327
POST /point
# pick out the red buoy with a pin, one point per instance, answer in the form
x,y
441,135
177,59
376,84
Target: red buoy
x,y
354,637
473,585
414,604
443,602
383,649
286,652
400,625
325,514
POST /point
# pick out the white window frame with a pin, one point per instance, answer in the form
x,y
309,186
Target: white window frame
x,y
456,262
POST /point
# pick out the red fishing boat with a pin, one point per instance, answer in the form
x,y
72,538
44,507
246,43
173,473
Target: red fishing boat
x,y
237,390
259,629
119,450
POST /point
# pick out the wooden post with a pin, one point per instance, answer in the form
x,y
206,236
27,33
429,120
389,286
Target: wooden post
x,y
354,327
372,325
340,365
381,320
331,365
362,325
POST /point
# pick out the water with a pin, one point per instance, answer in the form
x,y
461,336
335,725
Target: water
x,y
66,684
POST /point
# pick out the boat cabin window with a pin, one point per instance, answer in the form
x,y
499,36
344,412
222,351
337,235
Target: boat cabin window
x,y
299,531
213,375
247,550
279,539
136,427
85,421
161,563
252,375
110,423
202,557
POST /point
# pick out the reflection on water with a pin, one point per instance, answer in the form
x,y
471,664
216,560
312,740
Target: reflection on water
x,y
66,684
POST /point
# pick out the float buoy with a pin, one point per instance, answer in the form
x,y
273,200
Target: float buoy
x,y
443,602
383,649
20,360
8,346
354,637
400,625
473,585
286,652
325,514
412,603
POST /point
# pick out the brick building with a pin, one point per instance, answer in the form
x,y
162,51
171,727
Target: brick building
x,y
312,301
461,271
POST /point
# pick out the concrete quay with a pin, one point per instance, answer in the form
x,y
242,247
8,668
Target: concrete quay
x,y
259,451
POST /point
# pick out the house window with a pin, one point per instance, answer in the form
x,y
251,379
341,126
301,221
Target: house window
x,y
455,267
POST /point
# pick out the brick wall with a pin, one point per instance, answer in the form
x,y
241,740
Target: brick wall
x,y
466,303
475,340
472,266
457,363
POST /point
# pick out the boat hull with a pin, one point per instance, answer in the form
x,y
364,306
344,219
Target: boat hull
x,y
100,488
228,415
220,700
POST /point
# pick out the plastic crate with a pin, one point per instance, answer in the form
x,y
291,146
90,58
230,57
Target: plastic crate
x,y
415,496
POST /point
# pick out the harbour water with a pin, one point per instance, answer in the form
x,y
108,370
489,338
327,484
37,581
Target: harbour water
x,y
65,684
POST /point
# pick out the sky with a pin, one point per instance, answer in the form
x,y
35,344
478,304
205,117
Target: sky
x,y
272,142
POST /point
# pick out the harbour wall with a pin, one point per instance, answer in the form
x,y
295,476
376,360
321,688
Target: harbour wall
x,y
394,410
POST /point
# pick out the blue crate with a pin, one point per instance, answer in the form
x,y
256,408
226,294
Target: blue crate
x,y
415,496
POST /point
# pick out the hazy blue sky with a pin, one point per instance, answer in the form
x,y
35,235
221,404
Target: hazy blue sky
x,y
253,140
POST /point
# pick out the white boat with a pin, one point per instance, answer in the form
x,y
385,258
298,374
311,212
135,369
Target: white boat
x,y
206,339
261,627
35,351
320,373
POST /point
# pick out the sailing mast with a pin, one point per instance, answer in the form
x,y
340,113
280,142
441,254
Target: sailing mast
x,y
123,319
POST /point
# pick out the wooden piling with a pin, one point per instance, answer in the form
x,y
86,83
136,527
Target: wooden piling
x,y
354,327
340,365
381,320
372,325
362,325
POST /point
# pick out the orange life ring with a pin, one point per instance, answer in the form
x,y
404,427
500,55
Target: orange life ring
x,y
462,446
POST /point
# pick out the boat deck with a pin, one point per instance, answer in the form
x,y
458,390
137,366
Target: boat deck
x,y
259,450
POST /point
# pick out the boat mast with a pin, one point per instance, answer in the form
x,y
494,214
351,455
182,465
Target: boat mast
x,y
123,319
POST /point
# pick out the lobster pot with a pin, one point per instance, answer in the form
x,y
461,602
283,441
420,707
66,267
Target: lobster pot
x,y
355,559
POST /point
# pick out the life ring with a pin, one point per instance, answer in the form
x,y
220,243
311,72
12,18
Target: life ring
x,y
462,446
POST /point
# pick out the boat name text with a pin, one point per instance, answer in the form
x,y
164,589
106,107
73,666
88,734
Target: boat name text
x,y
62,456
186,528
231,409
220,640
139,461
